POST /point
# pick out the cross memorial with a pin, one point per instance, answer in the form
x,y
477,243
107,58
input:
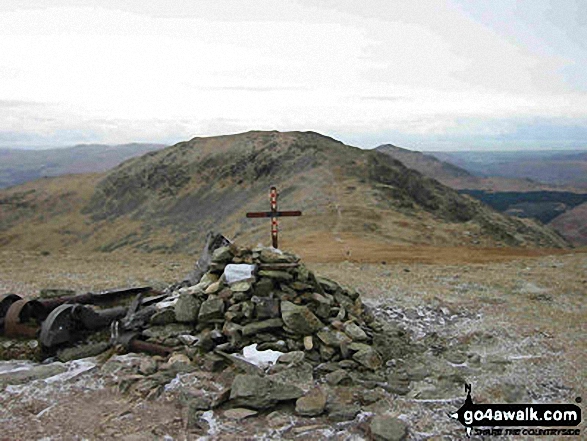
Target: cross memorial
x,y
273,214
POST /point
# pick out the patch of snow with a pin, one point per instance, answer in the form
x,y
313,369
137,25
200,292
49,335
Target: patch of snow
x,y
177,382
75,368
208,416
238,272
9,367
260,358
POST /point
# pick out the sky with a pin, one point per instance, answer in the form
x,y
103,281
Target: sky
x,y
421,74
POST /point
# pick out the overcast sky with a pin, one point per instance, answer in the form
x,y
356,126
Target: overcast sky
x,y
427,75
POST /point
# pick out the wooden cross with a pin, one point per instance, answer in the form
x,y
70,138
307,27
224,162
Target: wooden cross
x,y
274,214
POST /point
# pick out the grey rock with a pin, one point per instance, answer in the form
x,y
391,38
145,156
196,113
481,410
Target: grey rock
x,y
300,375
187,308
312,403
388,428
278,276
327,352
348,364
242,364
211,309
292,357
243,286
368,358
398,383
355,332
391,342
208,279
261,393
333,338
265,325
148,366
248,309
339,377
239,413
222,255
455,356
167,331
356,347
163,317
263,287
300,319
328,285
36,372
342,412
266,307
83,351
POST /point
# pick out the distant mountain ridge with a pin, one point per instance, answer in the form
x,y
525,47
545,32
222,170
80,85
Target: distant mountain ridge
x,y
18,166
549,203
167,200
562,168
457,177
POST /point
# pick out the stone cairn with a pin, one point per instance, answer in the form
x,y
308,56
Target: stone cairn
x,y
241,305
321,331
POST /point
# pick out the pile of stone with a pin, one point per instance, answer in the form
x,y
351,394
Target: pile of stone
x,y
264,304
256,330
269,298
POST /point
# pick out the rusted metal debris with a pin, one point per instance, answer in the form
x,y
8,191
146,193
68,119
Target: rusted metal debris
x,y
19,314
130,342
93,298
66,323
6,300
15,312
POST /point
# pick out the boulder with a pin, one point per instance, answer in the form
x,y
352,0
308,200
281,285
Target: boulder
x,y
333,338
265,325
187,308
256,392
388,428
222,255
355,332
278,276
266,307
299,319
211,309
312,403
368,358
163,317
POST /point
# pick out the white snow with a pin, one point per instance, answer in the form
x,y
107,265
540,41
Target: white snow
x,y
260,358
234,272
75,368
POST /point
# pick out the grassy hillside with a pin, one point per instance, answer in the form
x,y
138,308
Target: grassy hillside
x,y
167,200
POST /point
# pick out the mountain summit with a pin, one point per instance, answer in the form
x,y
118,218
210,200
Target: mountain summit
x,y
169,199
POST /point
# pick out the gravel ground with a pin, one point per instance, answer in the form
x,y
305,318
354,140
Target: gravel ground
x,y
521,323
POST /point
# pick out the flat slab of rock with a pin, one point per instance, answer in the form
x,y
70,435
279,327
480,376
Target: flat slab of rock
x,y
388,428
261,393
262,326
211,309
239,413
186,308
368,358
311,404
300,319
26,374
